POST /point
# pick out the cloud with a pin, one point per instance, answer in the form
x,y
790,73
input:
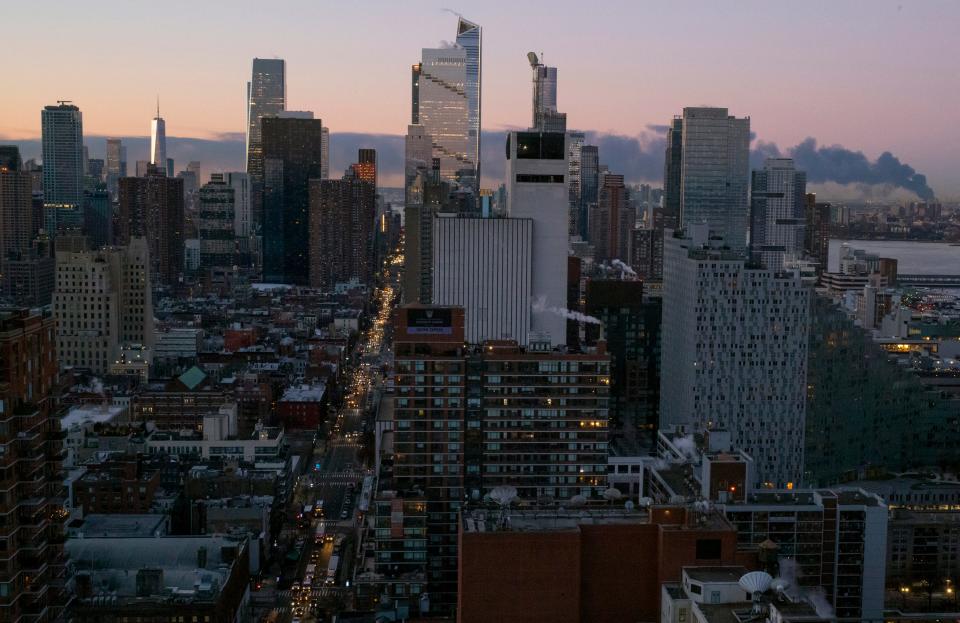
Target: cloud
x,y
850,174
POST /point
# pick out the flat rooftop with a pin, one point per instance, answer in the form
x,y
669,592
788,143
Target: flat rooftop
x,y
122,526
715,574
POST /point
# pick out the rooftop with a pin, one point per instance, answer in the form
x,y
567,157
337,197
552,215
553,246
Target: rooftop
x,y
122,525
304,393
715,574
90,414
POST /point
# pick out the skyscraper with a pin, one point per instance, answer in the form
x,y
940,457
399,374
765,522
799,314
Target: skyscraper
x,y
817,230
266,97
62,129
292,156
777,219
546,118
116,164
152,207
216,223
734,352
537,170
671,174
714,173
446,102
102,301
342,216
574,178
158,142
365,168
613,220
16,216
589,187
325,154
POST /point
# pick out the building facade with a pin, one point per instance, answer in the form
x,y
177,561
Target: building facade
x,y
102,301
292,156
62,140
216,223
537,172
777,219
714,173
484,266
342,216
734,353
33,532
266,97
152,207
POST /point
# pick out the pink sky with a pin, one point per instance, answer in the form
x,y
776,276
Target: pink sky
x,y
870,75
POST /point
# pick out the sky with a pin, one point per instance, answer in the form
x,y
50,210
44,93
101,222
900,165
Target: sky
x,y
870,75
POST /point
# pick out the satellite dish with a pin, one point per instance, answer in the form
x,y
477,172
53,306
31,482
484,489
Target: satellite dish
x,y
646,502
612,494
532,57
577,501
756,582
503,495
628,505
779,584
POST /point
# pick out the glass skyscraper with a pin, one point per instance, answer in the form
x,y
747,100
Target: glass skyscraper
x,y
266,97
714,173
158,141
445,100
62,128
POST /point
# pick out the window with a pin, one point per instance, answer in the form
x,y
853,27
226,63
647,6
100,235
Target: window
x,y
708,549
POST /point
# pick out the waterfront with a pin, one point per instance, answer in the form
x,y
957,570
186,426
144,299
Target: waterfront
x,y
913,257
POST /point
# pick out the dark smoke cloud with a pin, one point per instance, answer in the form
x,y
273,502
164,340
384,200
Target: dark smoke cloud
x,y
639,158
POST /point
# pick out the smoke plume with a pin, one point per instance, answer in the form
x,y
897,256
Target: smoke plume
x,y
540,306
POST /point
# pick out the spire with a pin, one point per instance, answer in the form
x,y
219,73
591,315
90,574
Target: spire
x,y
158,105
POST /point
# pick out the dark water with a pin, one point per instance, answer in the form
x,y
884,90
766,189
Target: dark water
x,y
913,258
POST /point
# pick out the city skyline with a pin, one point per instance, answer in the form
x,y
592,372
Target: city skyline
x,y
866,86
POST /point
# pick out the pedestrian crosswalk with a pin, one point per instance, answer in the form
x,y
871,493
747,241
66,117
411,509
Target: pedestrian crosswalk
x,y
317,592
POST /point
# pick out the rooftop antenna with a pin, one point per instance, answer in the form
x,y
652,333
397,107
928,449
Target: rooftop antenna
x,y
158,105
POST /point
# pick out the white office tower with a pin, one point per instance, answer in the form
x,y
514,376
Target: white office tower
x,y
102,302
714,175
734,352
158,141
537,170
777,220
483,265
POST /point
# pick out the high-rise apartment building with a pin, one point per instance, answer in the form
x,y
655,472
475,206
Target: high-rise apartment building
x,y
342,218
216,222
467,421
574,178
325,153
266,97
152,207
777,220
34,529
734,352
613,220
446,102
631,326
589,187
102,301
483,265
292,154
116,165
714,172
646,253
62,129
158,142
816,241
365,168
537,172
16,215
98,217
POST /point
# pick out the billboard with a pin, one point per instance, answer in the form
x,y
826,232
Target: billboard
x,y
429,321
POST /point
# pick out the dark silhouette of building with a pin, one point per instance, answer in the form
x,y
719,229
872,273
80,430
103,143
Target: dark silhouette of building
x,y
152,207
672,167
342,215
292,156
817,232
